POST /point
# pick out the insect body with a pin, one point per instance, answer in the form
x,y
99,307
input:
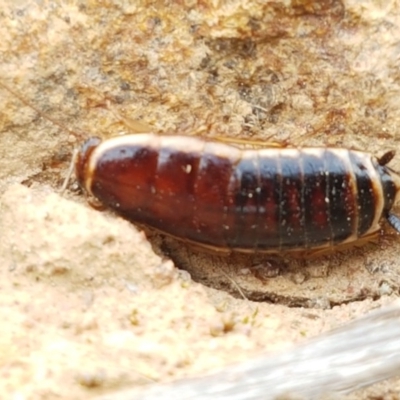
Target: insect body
x,y
225,198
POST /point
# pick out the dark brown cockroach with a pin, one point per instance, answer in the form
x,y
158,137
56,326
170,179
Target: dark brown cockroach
x,y
224,198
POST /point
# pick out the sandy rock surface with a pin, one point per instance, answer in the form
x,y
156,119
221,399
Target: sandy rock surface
x,y
88,304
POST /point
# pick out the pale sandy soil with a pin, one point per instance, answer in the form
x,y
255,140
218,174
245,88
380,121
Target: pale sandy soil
x,y
86,304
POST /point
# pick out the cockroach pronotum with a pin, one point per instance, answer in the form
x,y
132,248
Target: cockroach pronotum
x,y
224,198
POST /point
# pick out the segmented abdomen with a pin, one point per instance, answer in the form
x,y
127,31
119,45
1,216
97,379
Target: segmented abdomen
x,y
219,196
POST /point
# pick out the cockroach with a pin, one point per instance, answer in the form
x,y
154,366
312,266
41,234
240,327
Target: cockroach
x,y
224,198
227,199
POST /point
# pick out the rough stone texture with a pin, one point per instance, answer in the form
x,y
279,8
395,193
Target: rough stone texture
x,y
87,307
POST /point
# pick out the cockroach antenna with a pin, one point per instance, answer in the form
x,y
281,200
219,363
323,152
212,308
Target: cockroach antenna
x,y
70,171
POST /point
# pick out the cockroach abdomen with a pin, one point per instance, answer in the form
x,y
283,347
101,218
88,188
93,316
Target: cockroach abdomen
x,y
229,199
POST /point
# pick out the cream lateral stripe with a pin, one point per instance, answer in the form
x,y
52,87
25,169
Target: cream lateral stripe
x,y
378,192
152,140
184,144
179,144
314,151
88,171
225,151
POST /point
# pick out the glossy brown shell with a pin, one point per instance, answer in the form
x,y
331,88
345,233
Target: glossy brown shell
x,y
222,197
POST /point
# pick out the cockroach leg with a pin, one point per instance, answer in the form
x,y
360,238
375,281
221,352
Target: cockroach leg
x,y
387,157
250,142
135,126
299,140
96,204
266,269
